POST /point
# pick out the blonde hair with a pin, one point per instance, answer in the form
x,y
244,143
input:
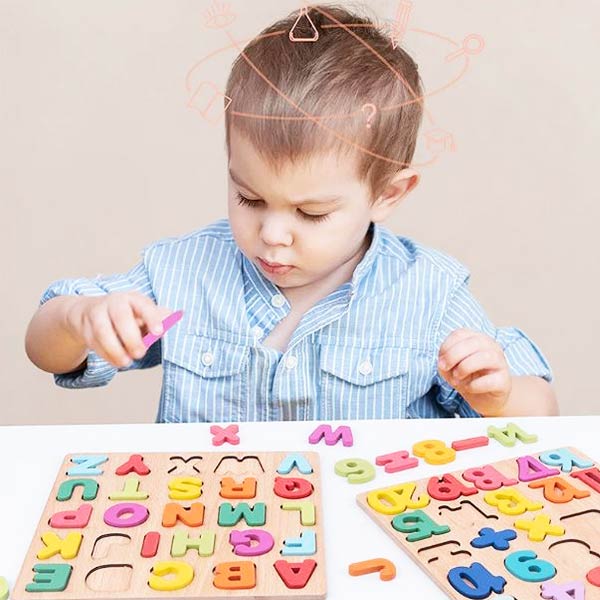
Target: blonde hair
x,y
294,99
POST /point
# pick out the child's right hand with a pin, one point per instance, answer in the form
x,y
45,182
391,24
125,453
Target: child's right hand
x,y
113,325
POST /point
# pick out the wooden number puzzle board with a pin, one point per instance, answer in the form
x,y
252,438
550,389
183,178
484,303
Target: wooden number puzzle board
x,y
561,484
192,537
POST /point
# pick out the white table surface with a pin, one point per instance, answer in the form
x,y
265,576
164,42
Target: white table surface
x,y
31,455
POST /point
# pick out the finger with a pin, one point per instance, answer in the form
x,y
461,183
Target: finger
x,y
456,336
150,314
459,351
479,361
487,382
86,333
127,329
107,340
90,340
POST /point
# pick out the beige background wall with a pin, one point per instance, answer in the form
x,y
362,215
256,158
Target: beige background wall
x,y
100,155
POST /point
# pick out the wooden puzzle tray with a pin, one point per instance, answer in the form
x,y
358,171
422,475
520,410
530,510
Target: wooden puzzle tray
x,y
192,526
526,528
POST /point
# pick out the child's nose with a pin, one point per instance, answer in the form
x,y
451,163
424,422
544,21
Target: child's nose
x,y
276,231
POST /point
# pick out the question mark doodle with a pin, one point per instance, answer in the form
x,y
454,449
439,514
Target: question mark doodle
x,y
372,110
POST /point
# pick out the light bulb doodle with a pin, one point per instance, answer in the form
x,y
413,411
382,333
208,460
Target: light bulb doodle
x,y
372,110
472,44
292,35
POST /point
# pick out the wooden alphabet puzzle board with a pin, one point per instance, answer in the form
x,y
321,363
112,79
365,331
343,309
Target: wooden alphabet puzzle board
x,y
203,526
526,528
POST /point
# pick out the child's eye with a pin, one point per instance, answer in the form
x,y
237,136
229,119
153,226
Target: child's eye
x,y
252,203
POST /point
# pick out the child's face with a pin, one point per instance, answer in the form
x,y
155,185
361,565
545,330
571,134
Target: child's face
x,y
276,230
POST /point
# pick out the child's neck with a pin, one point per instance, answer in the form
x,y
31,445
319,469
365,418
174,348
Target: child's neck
x,y
303,297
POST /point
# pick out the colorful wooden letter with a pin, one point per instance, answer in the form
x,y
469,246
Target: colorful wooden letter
x,y
565,459
126,514
192,516
294,460
448,488
204,544
185,488
295,576
343,432
49,578
397,461
557,490
227,434
135,464
292,488
474,442
525,565
232,490
508,435
530,469
499,540
475,581
539,527
235,575
487,478
396,499
255,516
72,519
305,545
87,465
67,547
434,452
418,525
150,544
511,502
130,491
89,492
306,508
565,591
180,574
251,542
356,470
386,568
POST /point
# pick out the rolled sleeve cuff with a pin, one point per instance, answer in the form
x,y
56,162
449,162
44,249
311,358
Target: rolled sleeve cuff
x,y
522,355
56,289
69,287
98,372
456,405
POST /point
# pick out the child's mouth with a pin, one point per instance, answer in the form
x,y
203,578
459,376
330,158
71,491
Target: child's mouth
x,y
273,268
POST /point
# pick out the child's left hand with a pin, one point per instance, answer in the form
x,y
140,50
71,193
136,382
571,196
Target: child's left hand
x,y
474,364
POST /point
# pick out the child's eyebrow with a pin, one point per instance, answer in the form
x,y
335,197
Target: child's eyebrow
x,y
317,200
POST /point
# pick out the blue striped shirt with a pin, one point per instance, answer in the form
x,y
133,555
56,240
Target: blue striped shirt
x,y
367,350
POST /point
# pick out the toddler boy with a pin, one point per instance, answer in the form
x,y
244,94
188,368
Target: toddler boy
x,y
301,304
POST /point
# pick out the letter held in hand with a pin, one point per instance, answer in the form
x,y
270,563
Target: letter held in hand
x,y
173,318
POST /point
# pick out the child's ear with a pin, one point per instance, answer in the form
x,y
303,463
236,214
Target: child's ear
x,y
396,190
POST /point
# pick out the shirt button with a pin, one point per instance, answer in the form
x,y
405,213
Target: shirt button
x,y
278,300
207,359
366,367
257,331
291,362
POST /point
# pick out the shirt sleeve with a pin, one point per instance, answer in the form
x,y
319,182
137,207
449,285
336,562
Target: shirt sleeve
x,y
522,355
98,371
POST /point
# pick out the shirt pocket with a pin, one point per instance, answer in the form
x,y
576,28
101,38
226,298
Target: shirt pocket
x,y
205,379
363,383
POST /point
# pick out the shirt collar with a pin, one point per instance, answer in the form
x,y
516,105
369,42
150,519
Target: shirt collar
x,y
367,279
363,268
